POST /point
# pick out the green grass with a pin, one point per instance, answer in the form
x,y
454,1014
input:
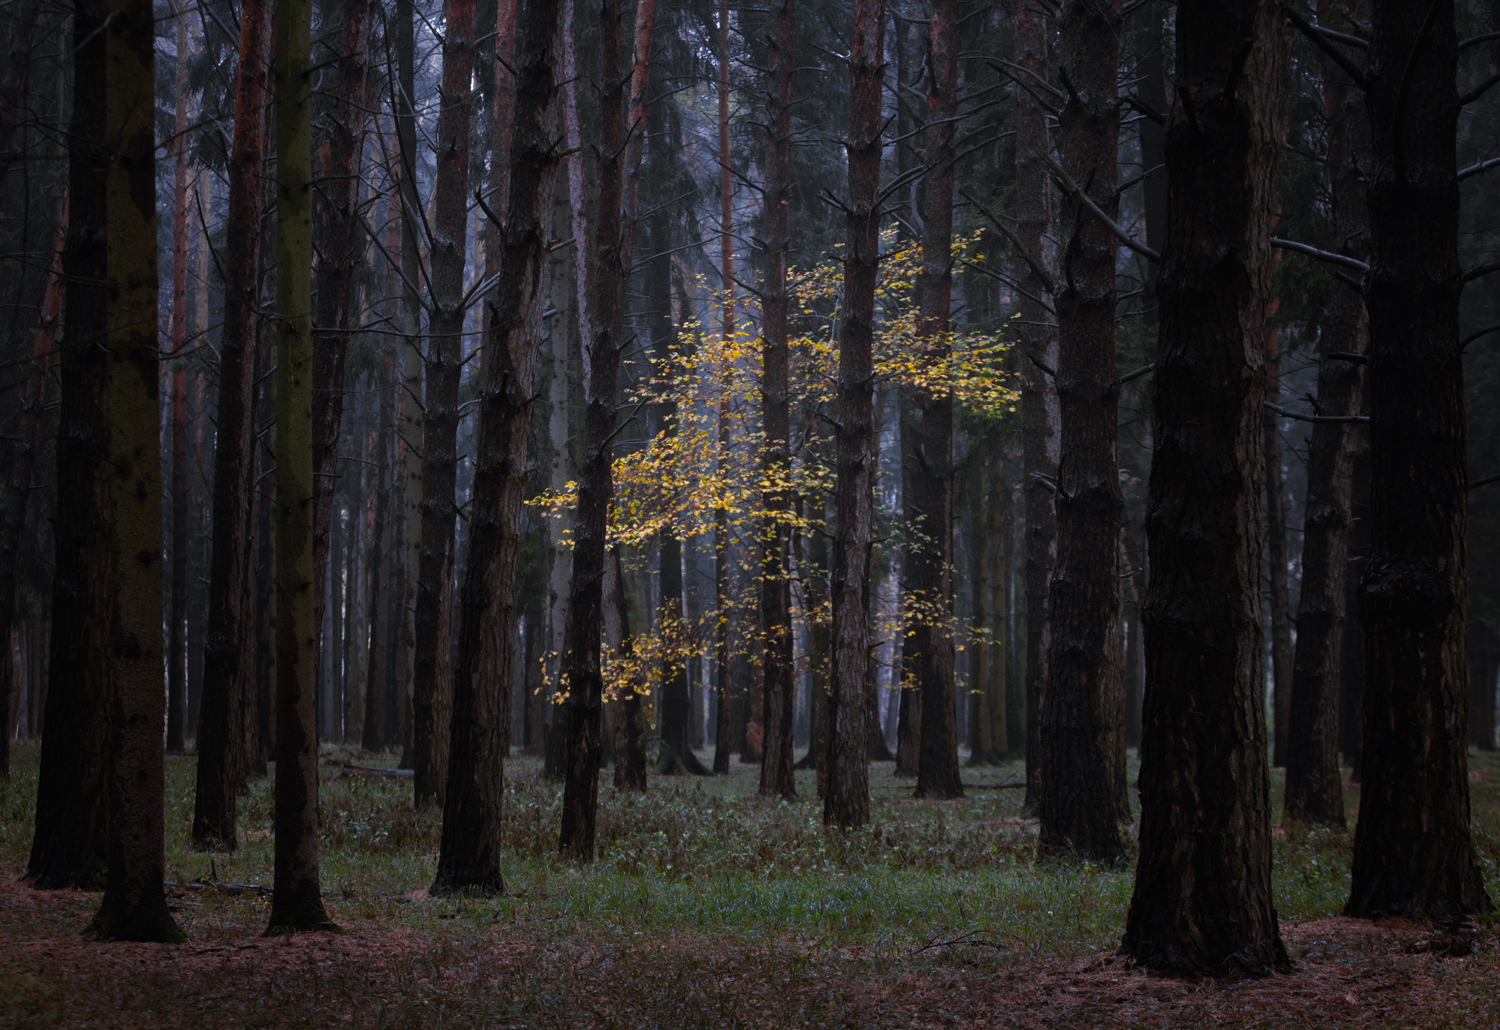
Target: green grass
x,y
707,899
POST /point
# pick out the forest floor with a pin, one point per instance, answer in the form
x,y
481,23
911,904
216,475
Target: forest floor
x,y
708,907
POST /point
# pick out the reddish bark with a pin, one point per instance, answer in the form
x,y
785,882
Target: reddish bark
x,y
344,103
847,802
1082,793
220,735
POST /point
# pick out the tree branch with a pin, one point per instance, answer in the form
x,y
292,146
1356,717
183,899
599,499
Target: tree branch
x,y
1321,255
1021,248
1094,209
1325,44
1284,413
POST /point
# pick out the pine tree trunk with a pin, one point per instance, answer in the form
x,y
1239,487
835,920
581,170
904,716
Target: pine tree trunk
x,y
1314,787
134,906
996,531
343,103
220,741
297,904
1202,902
1039,441
68,848
847,801
1278,588
931,559
630,753
1081,797
601,365
487,660
1413,854
22,463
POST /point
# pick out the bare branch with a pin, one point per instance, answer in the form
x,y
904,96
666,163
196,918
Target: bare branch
x,y
1094,209
1325,44
1321,255
1021,248
1284,413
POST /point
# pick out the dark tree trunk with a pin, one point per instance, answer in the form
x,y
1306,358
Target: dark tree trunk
x,y
630,754
297,904
1278,593
221,756
378,682
69,846
1202,902
1314,788
1352,646
343,100
847,801
177,614
1413,855
601,366
777,663
22,464
1033,213
432,683
931,558
134,906
1082,794
469,859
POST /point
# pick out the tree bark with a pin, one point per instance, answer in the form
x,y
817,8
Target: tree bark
x,y
297,904
1039,442
134,906
601,366
1202,901
1082,797
931,559
1314,784
69,845
341,120
779,683
847,801
1278,587
630,754
487,662
1413,854
221,757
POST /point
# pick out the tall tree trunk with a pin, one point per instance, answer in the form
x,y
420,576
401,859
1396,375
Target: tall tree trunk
x,y
1278,588
981,719
377,681
297,904
1314,784
1082,794
1413,854
931,559
434,615
23,453
177,615
134,906
630,754
1202,899
1352,646
69,845
487,660
343,104
601,366
847,802
1039,441
220,742
776,777
995,527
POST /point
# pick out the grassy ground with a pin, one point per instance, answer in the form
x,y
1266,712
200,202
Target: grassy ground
x,y
707,907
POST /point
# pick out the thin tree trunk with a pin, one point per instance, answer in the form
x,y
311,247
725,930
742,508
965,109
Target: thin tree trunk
x,y
1278,588
1082,796
1314,783
297,904
996,530
341,120
69,845
23,454
1202,902
630,754
1413,854
471,848
134,906
776,777
1039,441
931,560
220,742
847,802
